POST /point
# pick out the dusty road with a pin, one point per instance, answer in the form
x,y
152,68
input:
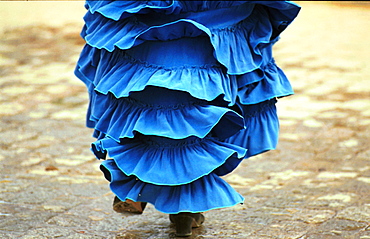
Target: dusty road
x,y
315,185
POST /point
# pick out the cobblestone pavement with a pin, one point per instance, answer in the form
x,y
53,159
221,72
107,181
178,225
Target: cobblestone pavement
x,y
315,185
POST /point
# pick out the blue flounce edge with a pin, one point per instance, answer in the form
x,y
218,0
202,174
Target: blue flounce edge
x,y
238,46
206,83
262,128
116,10
125,117
123,74
209,192
183,162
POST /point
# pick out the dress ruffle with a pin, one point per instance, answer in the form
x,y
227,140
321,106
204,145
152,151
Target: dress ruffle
x,y
262,128
183,161
272,83
116,10
237,38
119,73
123,118
206,193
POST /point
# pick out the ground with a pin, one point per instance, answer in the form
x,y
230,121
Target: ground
x,y
315,185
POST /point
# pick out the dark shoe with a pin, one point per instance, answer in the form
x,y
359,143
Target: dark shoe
x,y
128,206
185,221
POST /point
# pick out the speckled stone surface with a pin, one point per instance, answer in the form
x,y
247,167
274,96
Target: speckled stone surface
x,y
315,185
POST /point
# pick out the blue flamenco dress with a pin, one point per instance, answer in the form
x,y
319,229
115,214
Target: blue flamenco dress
x,y
180,93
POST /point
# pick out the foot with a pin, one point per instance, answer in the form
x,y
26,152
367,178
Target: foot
x,y
185,221
128,206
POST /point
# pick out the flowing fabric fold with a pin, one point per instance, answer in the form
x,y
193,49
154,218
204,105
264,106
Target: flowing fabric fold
x,y
117,10
206,193
272,83
237,38
120,74
123,118
262,128
183,161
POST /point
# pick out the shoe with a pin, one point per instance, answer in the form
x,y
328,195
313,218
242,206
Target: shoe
x,y
185,221
128,206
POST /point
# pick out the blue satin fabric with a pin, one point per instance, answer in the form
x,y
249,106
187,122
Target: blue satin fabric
x,y
180,93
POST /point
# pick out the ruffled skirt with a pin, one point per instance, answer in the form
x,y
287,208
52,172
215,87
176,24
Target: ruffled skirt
x,y
180,93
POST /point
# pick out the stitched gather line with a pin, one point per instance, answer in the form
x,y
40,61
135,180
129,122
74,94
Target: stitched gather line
x,y
146,64
260,107
175,144
141,104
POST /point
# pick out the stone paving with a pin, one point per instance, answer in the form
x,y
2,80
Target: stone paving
x,y
315,185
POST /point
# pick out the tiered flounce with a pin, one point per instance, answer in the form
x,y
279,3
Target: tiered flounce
x,y
181,92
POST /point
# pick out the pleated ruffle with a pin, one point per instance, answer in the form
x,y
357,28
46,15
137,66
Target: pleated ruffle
x,y
123,118
116,10
237,34
120,74
262,128
183,161
122,9
262,85
206,193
